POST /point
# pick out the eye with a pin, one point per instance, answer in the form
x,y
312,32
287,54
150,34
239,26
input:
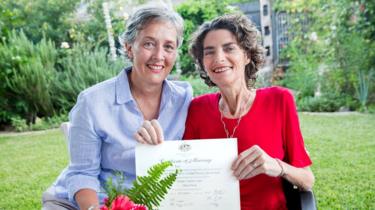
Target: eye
x,y
148,45
230,48
169,47
208,52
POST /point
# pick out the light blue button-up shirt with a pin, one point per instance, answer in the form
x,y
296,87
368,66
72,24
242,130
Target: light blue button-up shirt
x,y
103,123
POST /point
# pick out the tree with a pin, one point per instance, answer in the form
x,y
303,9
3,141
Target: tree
x,y
38,18
343,42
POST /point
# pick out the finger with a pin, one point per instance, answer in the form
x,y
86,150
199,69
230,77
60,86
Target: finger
x,y
248,161
251,173
244,155
258,162
151,131
139,138
144,134
246,165
158,129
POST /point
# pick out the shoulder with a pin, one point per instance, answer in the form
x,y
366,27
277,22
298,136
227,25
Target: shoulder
x,y
100,91
276,92
181,89
205,100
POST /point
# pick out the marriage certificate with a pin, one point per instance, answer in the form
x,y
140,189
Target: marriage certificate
x,y
205,181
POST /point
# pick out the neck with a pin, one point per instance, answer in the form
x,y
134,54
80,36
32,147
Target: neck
x,y
139,88
235,102
147,97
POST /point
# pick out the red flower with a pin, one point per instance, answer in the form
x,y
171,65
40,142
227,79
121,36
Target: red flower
x,y
104,208
138,207
123,202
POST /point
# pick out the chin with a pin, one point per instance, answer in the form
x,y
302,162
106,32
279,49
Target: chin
x,y
157,80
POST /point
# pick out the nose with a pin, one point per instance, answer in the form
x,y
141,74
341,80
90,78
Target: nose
x,y
158,53
219,56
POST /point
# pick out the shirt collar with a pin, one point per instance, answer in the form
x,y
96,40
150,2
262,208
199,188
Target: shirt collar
x,y
123,93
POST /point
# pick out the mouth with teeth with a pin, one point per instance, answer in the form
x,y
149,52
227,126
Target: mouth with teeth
x,y
221,69
155,68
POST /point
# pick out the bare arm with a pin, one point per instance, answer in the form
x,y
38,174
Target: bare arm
x,y
87,198
301,177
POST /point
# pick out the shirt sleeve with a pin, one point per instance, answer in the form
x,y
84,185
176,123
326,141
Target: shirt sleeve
x,y
296,153
84,149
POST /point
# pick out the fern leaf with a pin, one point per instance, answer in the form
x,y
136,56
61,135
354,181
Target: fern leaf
x,y
151,189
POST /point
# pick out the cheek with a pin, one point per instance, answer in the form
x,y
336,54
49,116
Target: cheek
x,y
206,63
171,58
138,54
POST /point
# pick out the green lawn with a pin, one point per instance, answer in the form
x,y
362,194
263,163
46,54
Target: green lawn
x,y
342,148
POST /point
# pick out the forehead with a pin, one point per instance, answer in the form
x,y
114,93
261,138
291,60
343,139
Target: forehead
x,y
219,37
159,30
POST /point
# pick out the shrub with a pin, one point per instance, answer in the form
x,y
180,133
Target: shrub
x,y
49,122
80,68
342,43
19,124
199,87
327,102
27,72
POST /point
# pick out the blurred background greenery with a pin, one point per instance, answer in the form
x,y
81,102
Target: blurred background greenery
x,y
50,50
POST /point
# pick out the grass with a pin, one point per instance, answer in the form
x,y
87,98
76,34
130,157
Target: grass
x,y
343,152
342,148
28,165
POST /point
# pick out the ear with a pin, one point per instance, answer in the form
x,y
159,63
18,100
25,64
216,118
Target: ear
x,y
247,59
129,50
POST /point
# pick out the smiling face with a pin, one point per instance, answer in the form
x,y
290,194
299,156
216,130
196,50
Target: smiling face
x,y
153,52
223,59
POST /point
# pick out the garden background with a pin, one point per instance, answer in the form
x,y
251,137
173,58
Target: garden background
x,y
50,50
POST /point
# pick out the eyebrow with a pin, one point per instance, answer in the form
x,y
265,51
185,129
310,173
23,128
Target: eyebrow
x,y
155,40
149,37
224,45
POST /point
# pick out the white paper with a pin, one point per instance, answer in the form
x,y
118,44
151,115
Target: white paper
x,y
205,181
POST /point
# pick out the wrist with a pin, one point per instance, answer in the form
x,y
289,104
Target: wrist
x,y
93,207
280,163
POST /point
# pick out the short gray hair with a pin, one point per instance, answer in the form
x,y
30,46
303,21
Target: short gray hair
x,y
144,15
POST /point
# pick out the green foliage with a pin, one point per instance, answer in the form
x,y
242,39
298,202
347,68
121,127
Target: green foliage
x,y
199,87
195,13
328,102
93,29
302,75
113,190
79,68
363,87
48,122
27,72
19,124
41,81
148,190
151,189
38,18
332,48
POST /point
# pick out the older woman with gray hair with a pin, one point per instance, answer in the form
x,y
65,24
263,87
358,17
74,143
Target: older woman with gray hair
x,y
106,116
